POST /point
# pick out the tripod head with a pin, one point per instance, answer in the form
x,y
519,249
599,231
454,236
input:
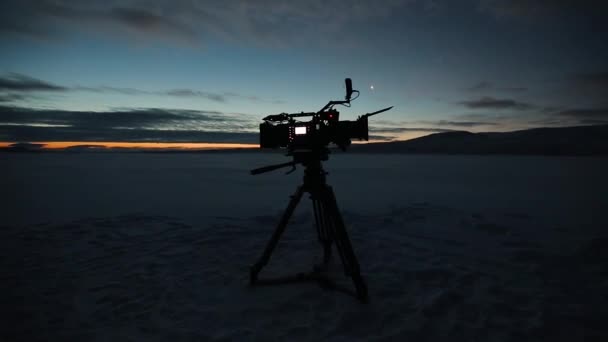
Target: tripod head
x,y
307,142
305,158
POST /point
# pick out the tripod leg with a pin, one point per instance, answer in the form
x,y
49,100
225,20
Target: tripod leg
x,y
293,203
343,244
323,230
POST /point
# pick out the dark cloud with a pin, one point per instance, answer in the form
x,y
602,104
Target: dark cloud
x,y
548,121
195,93
429,126
514,89
149,124
25,146
475,116
588,89
592,85
29,133
270,21
11,97
481,86
146,21
112,90
585,113
407,129
488,102
217,97
488,86
540,8
252,98
593,79
593,121
571,116
462,123
44,18
21,83
13,87
124,118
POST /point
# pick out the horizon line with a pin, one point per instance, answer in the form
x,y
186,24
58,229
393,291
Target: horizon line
x,y
58,145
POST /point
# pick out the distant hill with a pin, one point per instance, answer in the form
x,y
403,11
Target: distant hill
x,y
580,140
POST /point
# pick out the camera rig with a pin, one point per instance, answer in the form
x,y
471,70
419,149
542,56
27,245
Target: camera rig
x,y
310,139
307,142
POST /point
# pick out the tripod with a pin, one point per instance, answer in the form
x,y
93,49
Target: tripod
x,y
329,224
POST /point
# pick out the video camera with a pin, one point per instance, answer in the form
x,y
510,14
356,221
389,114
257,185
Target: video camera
x,y
304,139
307,142
282,130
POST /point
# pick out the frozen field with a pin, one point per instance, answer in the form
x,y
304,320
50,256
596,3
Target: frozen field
x,y
152,247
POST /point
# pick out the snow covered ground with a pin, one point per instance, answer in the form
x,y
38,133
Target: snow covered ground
x,y
138,246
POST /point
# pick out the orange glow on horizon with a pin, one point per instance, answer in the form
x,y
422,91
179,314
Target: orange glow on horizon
x,y
54,145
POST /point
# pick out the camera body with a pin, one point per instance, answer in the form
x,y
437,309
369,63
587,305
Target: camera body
x,y
286,131
324,128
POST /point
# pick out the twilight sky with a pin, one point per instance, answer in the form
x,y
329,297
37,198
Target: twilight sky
x,y
207,71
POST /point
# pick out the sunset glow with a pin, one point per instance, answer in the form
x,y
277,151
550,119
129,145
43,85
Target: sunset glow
x,y
54,145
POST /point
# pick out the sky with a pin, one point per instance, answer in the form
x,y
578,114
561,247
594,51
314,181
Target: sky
x,y
208,71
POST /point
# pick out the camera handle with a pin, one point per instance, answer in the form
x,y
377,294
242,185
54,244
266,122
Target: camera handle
x,y
274,167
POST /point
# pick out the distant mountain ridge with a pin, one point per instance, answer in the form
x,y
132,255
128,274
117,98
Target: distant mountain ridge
x,y
579,140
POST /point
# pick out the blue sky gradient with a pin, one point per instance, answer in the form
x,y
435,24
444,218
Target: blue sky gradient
x,y
494,65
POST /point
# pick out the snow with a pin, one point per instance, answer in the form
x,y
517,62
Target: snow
x,y
140,246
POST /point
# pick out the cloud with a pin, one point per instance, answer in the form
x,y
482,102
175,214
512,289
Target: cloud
x,y
194,93
25,146
428,126
593,121
593,79
540,8
488,102
462,123
11,97
14,86
28,133
154,118
589,85
588,89
585,113
487,86
407,129
514,89
145,21
571,116
217,97
21,83
108,89
145,124
266,22
481,86
45,19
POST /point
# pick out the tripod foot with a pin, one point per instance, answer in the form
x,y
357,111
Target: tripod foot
x,y
253,274
361,288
